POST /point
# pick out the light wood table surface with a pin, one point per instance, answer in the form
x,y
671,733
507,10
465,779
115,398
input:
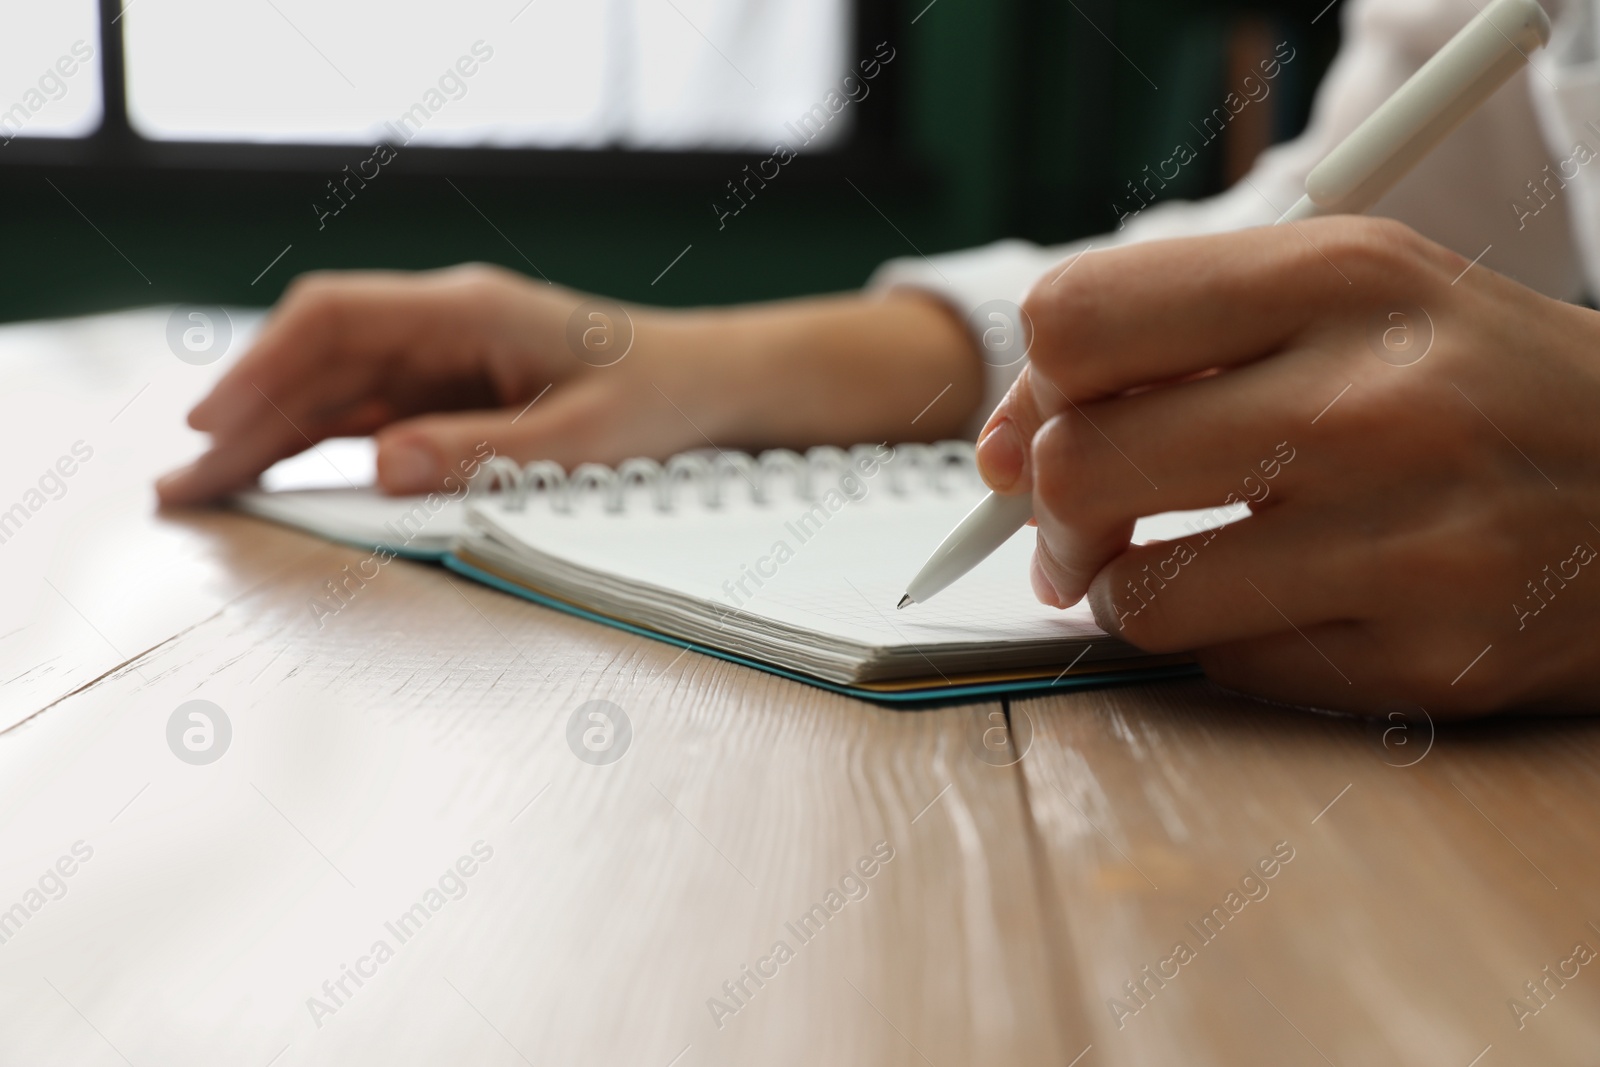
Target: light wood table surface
x,y
425,726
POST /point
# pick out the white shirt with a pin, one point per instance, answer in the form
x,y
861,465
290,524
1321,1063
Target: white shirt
x,y
1476,191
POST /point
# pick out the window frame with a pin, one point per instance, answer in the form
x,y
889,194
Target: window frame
x,y
872,139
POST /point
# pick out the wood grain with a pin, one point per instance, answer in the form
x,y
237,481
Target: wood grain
x,y
1418,901
94,577
371,752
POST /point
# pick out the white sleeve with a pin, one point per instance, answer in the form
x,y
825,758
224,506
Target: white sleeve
x,y
1460,196
1566,94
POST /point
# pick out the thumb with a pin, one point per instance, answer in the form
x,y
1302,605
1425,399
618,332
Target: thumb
x,y
570,425
1006,443
418,455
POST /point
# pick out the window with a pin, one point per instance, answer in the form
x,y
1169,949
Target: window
x,y
50,57
675,75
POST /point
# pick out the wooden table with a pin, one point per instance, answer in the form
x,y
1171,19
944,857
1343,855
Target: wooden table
x,y
1029,911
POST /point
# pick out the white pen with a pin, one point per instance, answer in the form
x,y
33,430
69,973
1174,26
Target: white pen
x,y
1354,176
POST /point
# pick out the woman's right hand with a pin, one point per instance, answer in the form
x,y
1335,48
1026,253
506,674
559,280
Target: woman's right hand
x,y
1414,437
439,364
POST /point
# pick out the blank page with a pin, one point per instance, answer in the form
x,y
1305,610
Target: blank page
x,y
836,573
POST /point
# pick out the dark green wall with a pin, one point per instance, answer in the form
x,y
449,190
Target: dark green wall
x,y
1013,117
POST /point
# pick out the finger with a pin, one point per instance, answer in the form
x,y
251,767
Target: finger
x,y
1160,311
1280,570
1337,667
1003,446
325,405
224,469
584,421
1349,666
345,354
1061,582
352,401
349,399
335,337
298,337
235,458
1447,669
1215,442
295,375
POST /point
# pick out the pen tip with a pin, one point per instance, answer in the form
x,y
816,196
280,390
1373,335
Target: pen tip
x,y
904,602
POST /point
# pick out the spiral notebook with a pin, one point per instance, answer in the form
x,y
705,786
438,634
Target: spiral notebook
x,y
788,563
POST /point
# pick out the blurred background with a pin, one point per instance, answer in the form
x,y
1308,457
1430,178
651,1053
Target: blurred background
x,y
670,151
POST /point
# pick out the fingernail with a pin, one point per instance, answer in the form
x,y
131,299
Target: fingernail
x,y
1001,455
219,410
169,487
1044,589
408,468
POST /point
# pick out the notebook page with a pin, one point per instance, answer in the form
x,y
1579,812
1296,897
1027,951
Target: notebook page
x,y
407,524
835,572
329,489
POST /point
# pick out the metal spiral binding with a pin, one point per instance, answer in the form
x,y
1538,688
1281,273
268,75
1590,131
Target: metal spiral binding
x,y
711,479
